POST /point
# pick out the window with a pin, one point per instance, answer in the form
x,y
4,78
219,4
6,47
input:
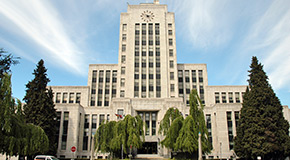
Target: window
x,y
230,130
157,64
158,76
217,97
144,26
156,29
58,118
171,75
147,122
200,75
157,40
171,52
170,32
124,37
137,42
102,119
187,91
57,99
153,123
208,126
231,97
169,25
193,74
123,47
108,76
151,88
224,97
78,98
137,26
124,27
186,74
171,64
114,76
108,117
64,98
86,132
157,49
94,79
122,93
94,124
71,97
172,89
122,70
237,118
123,59
122,82
170,42
65,131
120,112
93,100
237,96
101,76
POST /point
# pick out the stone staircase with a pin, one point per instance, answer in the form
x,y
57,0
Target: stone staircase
x,y
149,156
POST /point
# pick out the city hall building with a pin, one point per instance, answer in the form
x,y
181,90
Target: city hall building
x,y
146,81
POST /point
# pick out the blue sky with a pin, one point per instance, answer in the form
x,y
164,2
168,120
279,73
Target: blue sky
x,y
71,34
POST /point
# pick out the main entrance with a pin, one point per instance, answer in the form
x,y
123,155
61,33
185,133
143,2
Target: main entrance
x,y
148,148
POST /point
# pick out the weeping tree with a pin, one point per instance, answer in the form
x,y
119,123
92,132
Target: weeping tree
x,y
188,136
196,111
17,137
127,134
6,61
182,135
170,115
104,136
172,133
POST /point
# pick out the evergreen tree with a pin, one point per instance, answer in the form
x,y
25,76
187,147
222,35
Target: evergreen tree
x,y
6,61
262,129
39,108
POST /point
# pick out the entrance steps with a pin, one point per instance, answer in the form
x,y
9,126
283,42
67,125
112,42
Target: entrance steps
x,y
149,156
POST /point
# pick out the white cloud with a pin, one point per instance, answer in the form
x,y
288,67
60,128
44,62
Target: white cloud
x,y
270,38
207,24
40,22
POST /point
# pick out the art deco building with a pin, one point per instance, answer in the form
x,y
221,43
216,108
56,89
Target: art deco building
x,y
147,80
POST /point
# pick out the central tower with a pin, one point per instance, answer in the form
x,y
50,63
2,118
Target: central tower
x,y
147,52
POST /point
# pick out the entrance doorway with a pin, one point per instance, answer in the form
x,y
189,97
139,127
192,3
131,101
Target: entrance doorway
x,y
148,148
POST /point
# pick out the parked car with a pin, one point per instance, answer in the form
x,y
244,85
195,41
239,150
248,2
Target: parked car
x,y
45,157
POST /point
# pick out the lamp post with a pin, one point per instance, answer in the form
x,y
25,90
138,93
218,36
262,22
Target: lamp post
x,y
199,147
93,147
220,150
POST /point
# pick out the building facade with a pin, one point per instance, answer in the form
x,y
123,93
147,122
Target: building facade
x,y
147,81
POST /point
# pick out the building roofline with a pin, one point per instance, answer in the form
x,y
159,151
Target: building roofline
x,y
103,64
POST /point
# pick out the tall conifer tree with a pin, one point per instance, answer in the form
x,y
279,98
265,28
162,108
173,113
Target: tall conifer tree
x,y
262,129
39,108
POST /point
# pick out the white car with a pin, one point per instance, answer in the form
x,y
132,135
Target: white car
x,y
45,157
